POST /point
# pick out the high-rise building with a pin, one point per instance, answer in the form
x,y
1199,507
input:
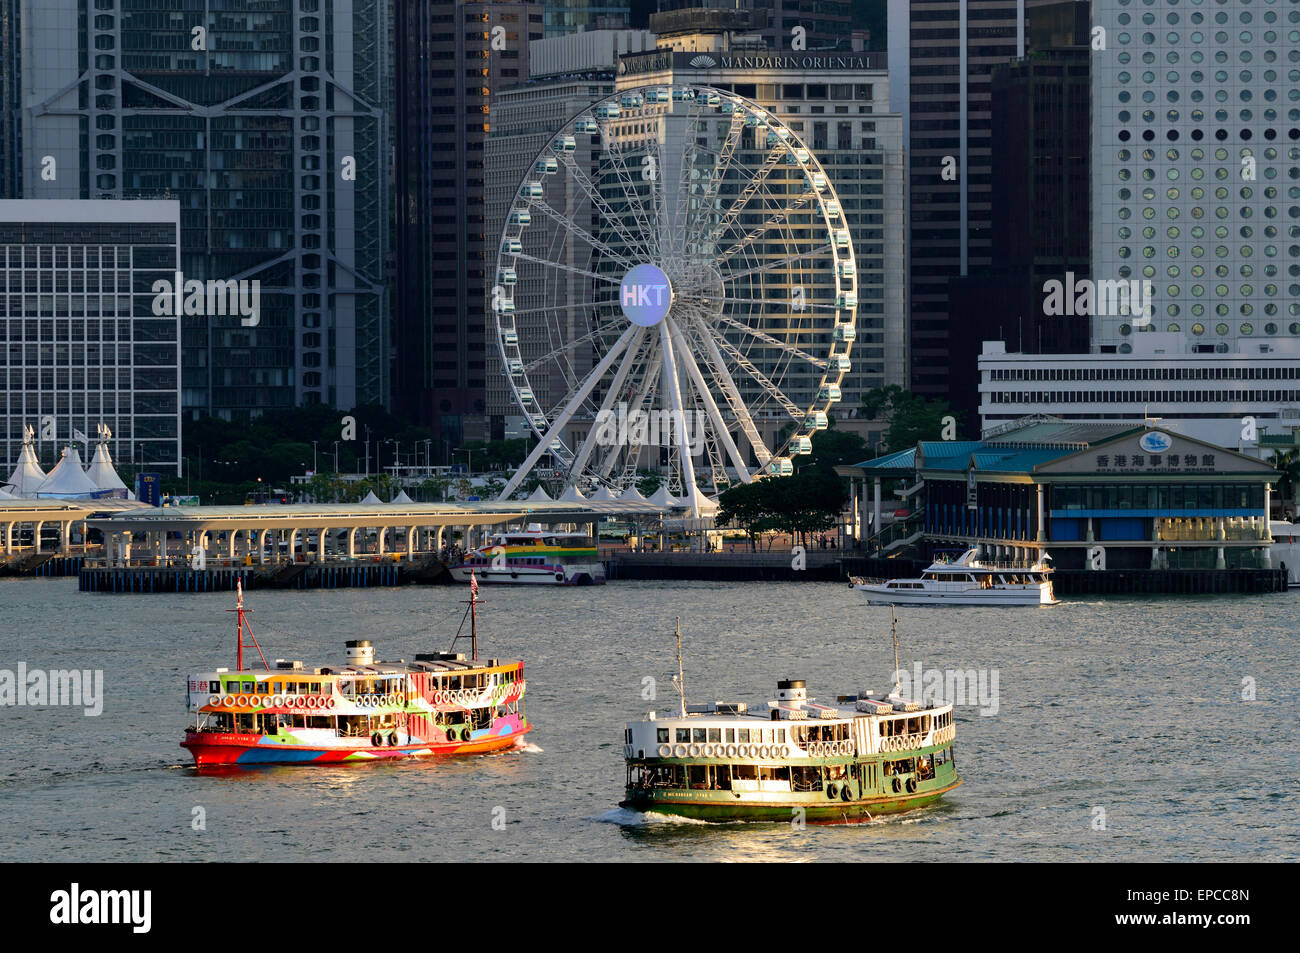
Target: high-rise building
x,y
795,25
452,57
11,141
562,17
941,56
266,120
81,342
1196,154
1040,213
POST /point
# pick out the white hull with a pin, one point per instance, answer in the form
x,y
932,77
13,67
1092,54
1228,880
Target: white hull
x,y
581,574
974,596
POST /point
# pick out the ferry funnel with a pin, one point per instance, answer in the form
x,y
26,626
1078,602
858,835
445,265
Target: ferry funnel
x,y
360,652
792,691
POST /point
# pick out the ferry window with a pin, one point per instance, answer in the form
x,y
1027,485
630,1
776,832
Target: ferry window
x,y
715,735
743,735
780,735
247,688
697,734
661,735
214,688
731,735
683,735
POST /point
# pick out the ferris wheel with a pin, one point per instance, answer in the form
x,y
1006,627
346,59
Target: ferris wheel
x,y
675,291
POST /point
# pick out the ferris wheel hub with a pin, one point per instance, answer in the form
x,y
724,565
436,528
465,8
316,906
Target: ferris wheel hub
x,y
646,294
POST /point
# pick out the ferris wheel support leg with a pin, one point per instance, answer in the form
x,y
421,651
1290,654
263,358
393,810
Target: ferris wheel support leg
x,y
562,420
734,400
679,415
606,405
719,425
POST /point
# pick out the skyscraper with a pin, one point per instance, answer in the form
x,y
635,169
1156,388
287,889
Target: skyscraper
x,y
266,119
941,56
452,57
1196,155
562,17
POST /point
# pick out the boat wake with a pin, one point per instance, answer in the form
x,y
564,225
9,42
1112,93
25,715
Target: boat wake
x,y
628,818
530,748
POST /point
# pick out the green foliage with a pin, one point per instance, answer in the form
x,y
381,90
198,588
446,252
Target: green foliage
x,y
911,418
807,502
648,481
1286,462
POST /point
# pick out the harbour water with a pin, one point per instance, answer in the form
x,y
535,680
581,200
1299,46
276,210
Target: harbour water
x,y
1121,733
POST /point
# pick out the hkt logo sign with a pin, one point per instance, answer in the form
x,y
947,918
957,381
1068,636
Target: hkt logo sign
x,y
646,295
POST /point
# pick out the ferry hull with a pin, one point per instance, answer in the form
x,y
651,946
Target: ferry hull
x,y
704,806
577,575
878,596
214,749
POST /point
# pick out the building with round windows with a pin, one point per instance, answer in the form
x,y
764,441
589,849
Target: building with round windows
x,y
1196,169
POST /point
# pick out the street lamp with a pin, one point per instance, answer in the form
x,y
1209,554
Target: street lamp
x,y
469,453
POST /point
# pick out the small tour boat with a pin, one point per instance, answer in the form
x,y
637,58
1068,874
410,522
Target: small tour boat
x,y
534,556
965,582
843,763
362,710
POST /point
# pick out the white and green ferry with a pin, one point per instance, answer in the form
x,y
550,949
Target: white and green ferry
x,y
852,761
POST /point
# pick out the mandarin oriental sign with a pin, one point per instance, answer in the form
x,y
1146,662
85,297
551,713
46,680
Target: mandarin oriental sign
x,y
657,61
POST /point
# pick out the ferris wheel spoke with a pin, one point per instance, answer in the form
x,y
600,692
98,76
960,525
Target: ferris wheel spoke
x,y
575,306
785,305
568,346
781,263
776,221
694,125
598,201
720,429
775,342
717,367
556,430
577,230
763,381
738,206
704,207
678,413
633,198
609,279
607,402
650,374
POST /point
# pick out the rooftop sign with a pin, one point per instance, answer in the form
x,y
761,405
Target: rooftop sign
x,y
658,61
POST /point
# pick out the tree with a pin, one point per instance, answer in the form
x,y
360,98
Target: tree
x,y
1287,462
911,418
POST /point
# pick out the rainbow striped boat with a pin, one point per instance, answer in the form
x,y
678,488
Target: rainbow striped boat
x,y
534,556
362,710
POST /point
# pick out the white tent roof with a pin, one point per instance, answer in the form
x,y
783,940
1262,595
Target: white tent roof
x,y
101,472
603,494
572,495
539,495
27,475
402,498
662,497
371,498
703,505
67,479
632,495
6,495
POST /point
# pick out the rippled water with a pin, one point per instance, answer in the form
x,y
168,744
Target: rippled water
x,y
1130,706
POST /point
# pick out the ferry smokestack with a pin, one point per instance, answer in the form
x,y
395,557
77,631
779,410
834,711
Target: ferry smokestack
x,y
360,652
792,690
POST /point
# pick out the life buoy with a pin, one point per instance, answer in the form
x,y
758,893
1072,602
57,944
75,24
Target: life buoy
x,y
312,701
765,752
694,751
329,702
228,701
376,739
277,701
664,751
214,699
679,751
731,751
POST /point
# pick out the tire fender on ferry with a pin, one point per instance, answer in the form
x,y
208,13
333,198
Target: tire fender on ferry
x,y
376,739
832,790
911,785
897,785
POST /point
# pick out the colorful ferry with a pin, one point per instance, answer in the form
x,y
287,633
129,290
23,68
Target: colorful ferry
x,y
365,709
966,582
830,764
535,557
